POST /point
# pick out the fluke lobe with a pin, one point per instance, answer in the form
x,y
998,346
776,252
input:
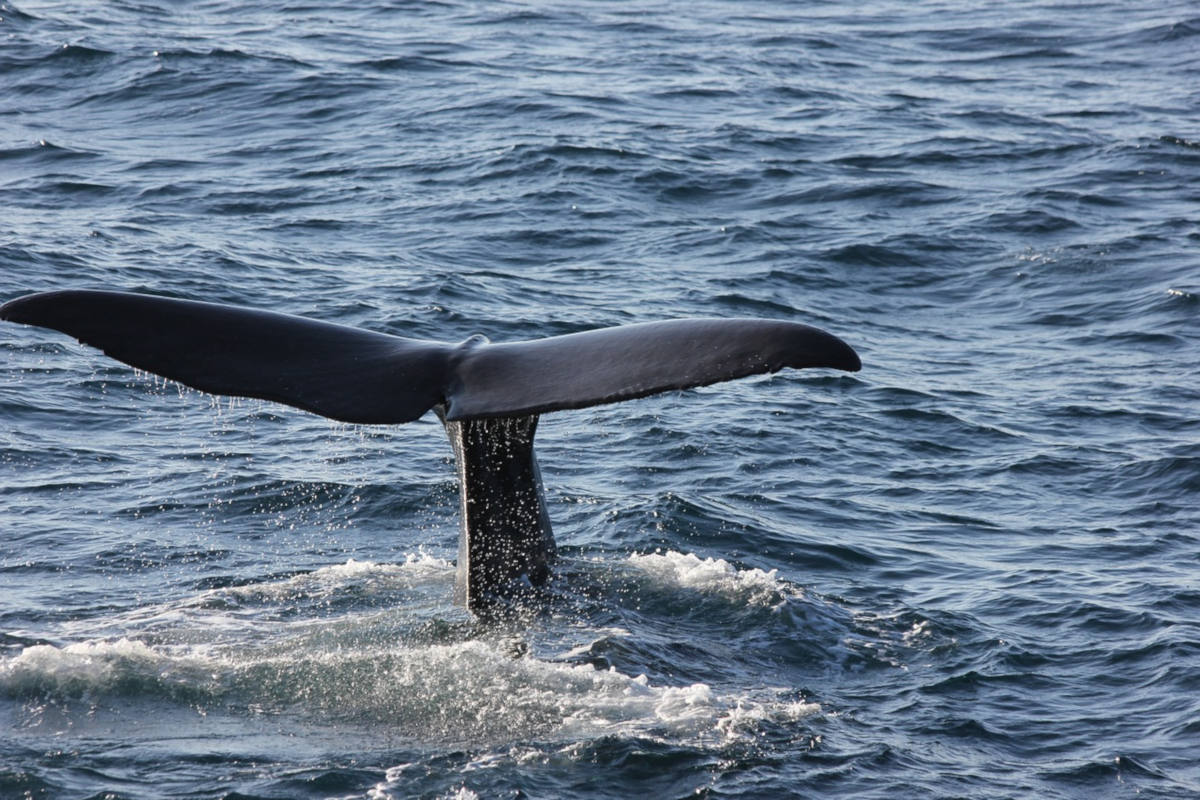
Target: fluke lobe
x,y
488,396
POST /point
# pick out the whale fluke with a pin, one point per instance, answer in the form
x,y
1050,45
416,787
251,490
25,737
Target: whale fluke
x,y
487,395
344,373
355,375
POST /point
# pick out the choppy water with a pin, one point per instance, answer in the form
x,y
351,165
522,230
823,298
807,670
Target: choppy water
x,y
970,570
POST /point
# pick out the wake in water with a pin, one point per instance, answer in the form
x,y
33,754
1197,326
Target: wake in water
x,y
306,649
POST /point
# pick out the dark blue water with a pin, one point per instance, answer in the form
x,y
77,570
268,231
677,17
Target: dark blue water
x,y
971,570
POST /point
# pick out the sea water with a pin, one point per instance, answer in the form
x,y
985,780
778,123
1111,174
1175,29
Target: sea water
x,y
970,570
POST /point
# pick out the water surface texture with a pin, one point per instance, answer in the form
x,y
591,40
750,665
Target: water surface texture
x,y
971,570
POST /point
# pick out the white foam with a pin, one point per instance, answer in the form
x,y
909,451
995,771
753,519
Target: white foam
x,y
744,718
363,667
418,569
712,576
396,785
475,690
99,667
471,691
422,582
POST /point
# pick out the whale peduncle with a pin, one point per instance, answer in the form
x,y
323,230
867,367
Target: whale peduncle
x,y
505,543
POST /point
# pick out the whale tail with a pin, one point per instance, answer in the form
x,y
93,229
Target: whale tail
x,y
488,395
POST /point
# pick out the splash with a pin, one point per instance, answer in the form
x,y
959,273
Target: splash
x,y
271,649
418,569
124,667
711,576
472,692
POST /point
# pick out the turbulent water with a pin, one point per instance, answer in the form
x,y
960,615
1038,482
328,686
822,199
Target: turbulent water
x,y
971,570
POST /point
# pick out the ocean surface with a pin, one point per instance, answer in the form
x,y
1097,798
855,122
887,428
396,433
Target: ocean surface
x,y
971,570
